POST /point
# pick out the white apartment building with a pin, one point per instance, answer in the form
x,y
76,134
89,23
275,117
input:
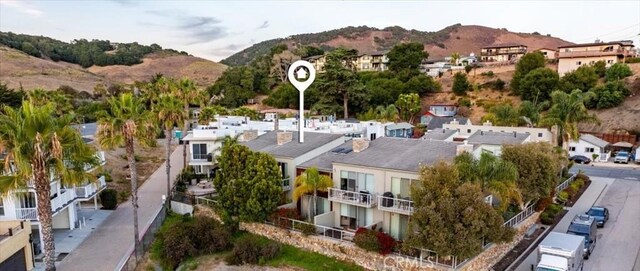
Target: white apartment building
x,y
466,130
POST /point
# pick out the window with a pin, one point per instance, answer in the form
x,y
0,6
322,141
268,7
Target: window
x,y
1,207
283,170
468,131
572,148
610,61
355,181
372,136
587,149
539,134
579,63
199,151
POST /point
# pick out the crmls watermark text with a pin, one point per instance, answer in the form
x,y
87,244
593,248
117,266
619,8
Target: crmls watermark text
x,y
402,263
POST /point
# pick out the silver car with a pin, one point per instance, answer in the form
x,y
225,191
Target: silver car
x,y
621,157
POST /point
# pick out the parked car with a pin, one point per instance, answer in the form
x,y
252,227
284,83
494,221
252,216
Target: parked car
x,y
584,225
601,214
621,157
580,159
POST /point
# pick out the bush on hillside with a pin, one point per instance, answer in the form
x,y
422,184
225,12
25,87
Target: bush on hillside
x,y
366,239
109,199
250,249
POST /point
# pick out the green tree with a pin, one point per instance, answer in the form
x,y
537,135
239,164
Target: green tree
x,y
248,184
493,174
617,71
526,64
529,111
169,113
538,166
208,114
388,113
611,94
505,115
188,94
246,112
451,216
600,68
467,69
406,57
566,111
583,78
127,120
341,79
538,84
460,84
409,106
310,182
38,146
10,97
284,96
455,56
423,85
383,91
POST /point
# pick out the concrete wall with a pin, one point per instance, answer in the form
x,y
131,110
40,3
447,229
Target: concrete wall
x,y
326,219
19,240
566,65
580,149
181,208
537,134
61,220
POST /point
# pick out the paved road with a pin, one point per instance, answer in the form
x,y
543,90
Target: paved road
x,y
631,173
619,241
596,190
108,244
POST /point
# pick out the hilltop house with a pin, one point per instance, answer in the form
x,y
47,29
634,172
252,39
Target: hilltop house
x,y
318,62
570,57
588,145
374,61
548,53
506,52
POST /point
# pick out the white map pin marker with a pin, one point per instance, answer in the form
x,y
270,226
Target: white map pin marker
x,y
301,79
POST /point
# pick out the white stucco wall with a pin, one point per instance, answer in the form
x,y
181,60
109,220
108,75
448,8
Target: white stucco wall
x,y
580,149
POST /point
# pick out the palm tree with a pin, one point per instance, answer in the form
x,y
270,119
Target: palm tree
x,y
169,112
208,114
127,120
493,174
311,182
454,58
565,113
389,113
188,94
39,145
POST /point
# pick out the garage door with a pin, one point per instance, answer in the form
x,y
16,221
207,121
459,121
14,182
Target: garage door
x,y
14,263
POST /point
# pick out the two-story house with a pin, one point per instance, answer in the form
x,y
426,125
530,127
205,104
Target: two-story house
x,y
570,57
372,180
318,62
379,61
402,129
506,52
285,148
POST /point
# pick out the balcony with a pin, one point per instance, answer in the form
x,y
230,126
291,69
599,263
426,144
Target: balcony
x,y
286,184
27,213
504,52
58,203
89,190
396,205
199,156
617,52
361,199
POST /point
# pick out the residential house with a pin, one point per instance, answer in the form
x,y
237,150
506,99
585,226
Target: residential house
x,y
16,249
440,134
492,142
318,62
435,67
402,129
205,144
506,52
570,57
548,53
379,61
443,109
588,145
285,148
435,122
372,181
466,130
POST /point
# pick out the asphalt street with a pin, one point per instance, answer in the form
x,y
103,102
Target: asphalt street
x,y
631,173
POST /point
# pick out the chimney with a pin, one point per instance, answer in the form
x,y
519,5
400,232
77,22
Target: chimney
x,y
460,149
455,121
276,123
283,137
249,135
359,144
515,134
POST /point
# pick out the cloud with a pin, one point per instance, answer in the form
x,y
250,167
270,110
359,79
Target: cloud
x,y
263,25
23,6
125,2
196,29
228,49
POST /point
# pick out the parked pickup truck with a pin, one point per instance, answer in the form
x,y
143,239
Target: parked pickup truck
x,y
621,157
560,252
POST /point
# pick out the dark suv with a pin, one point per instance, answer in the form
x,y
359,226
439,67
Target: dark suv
x,y
601,214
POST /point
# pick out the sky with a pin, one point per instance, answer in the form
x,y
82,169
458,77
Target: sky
x,y
217,29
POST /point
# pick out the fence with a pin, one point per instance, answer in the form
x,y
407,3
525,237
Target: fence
x,y
517,219
565,184
325,231
130,261
205,201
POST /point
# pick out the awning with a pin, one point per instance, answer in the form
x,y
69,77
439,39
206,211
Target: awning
x,y
623,144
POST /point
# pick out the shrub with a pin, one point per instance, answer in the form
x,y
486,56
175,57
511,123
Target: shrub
x,y
209,235
249,249
181,186
460,84
109,199
546,219
306,229
632,60
107,177
562,197
571,192
291,213
579,183
487,74
386,243
464,102
543,203
582,177
366,239
176,245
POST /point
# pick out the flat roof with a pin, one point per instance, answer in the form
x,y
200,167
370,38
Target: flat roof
x,y
267,143
497,138
622,43
439,134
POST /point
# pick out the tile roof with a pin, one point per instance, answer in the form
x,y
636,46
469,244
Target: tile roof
x,y
267,143
497,138
439,134
390,153
594,140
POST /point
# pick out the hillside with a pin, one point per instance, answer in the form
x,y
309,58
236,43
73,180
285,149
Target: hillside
x,y
463,39
17,68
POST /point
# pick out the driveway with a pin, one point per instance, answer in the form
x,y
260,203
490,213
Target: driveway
x,y
109,243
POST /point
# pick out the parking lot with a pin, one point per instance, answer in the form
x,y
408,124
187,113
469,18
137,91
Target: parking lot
x,y
618,243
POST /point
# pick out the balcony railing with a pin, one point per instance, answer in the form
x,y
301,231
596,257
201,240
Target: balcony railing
x,y
286,184
199,156
63,199
353,198
27,213
402,206
504,52
594,53
89,190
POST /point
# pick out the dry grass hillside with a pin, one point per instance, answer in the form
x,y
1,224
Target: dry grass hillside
x,y
203,72
18,68
624,117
